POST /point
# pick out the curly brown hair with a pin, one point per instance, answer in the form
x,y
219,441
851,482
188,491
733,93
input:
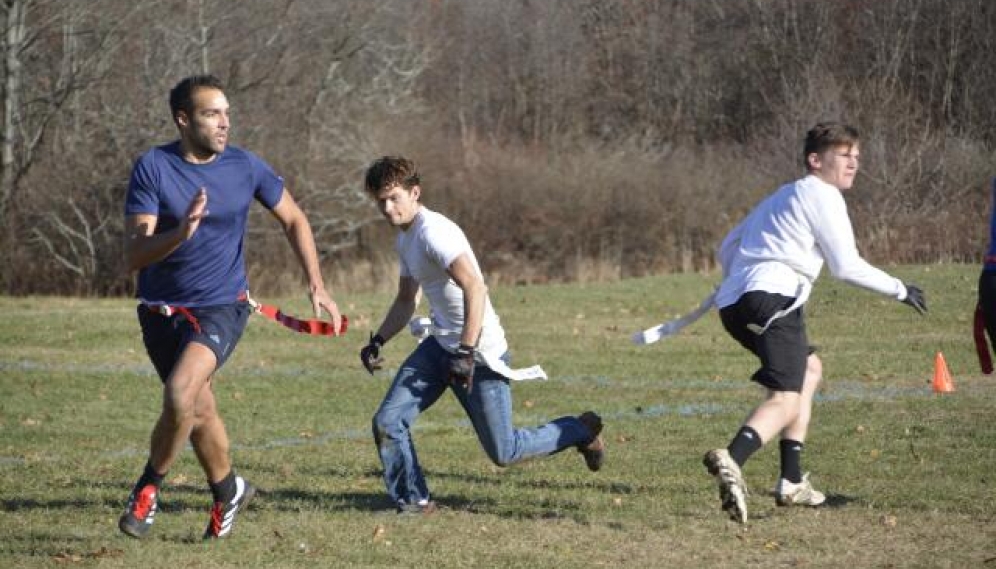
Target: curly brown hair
x,y
388,171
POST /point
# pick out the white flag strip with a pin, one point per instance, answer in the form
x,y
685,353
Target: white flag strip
x,y
672,327
421,327
516,374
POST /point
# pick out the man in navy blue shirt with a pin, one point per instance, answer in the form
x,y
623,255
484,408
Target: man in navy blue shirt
x,y
185,223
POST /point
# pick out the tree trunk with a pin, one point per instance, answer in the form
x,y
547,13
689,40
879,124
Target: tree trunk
x,y
13,38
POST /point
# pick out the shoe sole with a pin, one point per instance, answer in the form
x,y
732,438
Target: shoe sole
x,y
426,510
787,503
735,504
250,494
129,528
733,496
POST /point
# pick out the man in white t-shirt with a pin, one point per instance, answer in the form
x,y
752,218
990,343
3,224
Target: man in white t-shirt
x,y
770,261
465,351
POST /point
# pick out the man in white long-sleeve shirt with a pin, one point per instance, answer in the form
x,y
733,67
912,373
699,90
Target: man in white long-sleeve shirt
x,y
770,261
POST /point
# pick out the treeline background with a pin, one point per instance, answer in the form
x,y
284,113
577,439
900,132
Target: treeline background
x,y
572,139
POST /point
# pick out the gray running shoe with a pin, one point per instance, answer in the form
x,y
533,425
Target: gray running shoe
x,y
141,511
732,490
801,494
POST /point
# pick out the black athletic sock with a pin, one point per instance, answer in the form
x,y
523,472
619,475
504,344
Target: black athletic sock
x,y
746,443
224,490
791,454
150,476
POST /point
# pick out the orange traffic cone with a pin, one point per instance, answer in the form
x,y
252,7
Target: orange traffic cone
x,y
942,377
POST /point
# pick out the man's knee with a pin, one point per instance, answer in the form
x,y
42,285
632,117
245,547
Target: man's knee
x,y
501,458
789,403
187,397
387,427
179,405
500,455
502,450
205,415
190,376
814,367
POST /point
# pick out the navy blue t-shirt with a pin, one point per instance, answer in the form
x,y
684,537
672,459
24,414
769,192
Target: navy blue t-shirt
x,y
209,268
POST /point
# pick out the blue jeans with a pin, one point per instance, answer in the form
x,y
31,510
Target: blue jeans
x,y
419,383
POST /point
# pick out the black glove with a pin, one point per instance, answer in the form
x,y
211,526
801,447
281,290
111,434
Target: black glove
x,y
370,354
462,367
916,299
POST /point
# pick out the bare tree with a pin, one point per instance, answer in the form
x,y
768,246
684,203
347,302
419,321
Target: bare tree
x,y
14,44
348,91
663,112
54,53
48,34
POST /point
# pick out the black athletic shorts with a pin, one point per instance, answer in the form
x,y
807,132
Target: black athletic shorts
x,y
783,348
165,337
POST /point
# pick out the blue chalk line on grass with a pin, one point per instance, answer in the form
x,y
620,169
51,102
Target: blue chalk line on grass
x,y
842,391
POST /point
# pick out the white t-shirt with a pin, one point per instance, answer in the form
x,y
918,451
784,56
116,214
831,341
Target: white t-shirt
x,y
425,250
781,245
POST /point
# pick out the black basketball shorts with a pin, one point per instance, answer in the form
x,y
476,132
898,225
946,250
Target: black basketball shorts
x,y
783,347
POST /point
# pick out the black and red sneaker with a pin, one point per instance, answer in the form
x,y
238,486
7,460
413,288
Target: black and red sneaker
x,y
223,513
138,517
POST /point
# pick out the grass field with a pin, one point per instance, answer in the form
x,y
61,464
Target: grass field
x,y
909,473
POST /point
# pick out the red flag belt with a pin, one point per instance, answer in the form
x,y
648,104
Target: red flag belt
x,y
168,310
312,326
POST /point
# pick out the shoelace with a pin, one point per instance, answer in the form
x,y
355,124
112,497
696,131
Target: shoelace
x,y
216,517
144,502
728,476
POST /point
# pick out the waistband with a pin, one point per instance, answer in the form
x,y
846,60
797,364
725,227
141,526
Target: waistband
x,y
168,311
989,264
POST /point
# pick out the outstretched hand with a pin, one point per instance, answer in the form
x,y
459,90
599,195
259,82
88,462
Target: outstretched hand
x,y
196,211
321,301
916,298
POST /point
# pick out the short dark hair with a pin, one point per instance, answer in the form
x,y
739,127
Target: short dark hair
x,y
826,135
387,171
181,97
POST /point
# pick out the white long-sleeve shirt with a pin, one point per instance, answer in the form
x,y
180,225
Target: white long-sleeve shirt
x,y
781,245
